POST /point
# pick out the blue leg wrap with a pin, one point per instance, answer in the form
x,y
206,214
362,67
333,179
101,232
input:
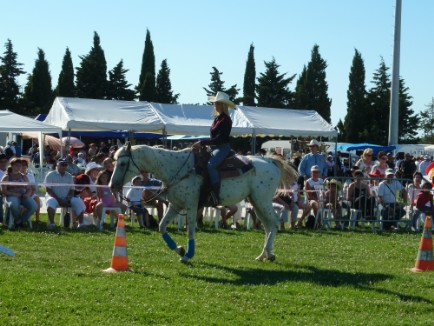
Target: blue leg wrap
x,y
190,249
169,241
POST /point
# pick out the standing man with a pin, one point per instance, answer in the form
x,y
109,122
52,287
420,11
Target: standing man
x,y
424,164
311,159
62,195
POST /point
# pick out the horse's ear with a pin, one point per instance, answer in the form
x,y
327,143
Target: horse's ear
x,y
128,145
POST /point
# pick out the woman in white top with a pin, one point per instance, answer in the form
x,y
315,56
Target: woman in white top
x,y
365,163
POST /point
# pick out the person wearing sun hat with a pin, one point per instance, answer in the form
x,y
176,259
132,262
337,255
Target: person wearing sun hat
x,y
62,195
219,140
387,196
424,164
311,159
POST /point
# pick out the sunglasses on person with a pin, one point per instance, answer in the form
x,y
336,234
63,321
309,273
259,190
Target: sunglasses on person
x,y
384,158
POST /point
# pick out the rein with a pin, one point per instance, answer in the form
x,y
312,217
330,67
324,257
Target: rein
x,y
163,190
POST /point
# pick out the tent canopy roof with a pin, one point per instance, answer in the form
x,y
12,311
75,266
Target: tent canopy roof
x,y
12,122
77,114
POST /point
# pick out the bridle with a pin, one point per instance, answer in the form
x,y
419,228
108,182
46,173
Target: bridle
x,y
161,190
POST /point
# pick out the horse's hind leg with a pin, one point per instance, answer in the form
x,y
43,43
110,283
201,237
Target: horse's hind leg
x,y
170,215
270,220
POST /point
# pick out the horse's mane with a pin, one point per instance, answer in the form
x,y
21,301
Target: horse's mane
x,y
288,174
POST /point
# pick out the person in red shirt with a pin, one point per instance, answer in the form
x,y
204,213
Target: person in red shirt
x,y
219,140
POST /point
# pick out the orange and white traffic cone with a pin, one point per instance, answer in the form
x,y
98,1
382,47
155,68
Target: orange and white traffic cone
x,y
425,260
119,257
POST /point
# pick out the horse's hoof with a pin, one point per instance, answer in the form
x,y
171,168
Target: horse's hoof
x,y
261,257
272,258
181,251
184,260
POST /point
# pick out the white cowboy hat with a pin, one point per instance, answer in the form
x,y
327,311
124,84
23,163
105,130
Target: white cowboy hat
x,y
222,98
313,142
92,166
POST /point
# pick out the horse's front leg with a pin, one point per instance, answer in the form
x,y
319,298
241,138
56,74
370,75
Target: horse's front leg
x,y
168,217
191,230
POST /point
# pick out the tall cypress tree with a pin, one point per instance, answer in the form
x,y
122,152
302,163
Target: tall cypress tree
x,y
409,121
92,73
146,87
356,125
312,90
65,83
164,92
273,88
379,102
249,85
217,85
10,70
117,85
38,94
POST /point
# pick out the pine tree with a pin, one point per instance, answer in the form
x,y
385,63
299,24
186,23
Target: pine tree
x,y
38,94
312,88
146,87
273,89
379,104
356,125
10,70
409,121
249,85
164,93
117,85
217,85
92,73
427,121
65,83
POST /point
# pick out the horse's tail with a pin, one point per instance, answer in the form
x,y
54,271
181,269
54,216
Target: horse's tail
x,y
288,174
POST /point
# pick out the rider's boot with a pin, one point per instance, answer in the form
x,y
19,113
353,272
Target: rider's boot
x,y
215,194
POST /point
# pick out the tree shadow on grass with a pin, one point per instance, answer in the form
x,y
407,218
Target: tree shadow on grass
x,y
303,273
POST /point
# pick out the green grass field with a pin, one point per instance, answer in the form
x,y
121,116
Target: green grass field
x,y
318,278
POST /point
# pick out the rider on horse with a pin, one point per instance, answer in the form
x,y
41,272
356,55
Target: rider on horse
x,y
219,140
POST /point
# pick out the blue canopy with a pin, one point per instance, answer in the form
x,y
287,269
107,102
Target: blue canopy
x,y
362,146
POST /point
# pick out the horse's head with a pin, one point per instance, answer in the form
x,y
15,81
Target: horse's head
x,y
125,168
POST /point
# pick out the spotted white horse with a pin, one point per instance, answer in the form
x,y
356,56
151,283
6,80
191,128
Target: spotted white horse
x,y
176,170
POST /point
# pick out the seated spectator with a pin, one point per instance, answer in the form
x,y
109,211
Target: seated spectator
x,y
62,195
365,163
381,165
134,200
31,177
3,168
332,201
93,150
82,190
108,166
424,164
226,212
387,197
105,196
359,195
17,195
423,203
406,168
72,168
314,189
290,202
152,193
92,170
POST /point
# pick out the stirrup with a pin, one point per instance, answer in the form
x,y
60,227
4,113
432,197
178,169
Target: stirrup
x,y
215,200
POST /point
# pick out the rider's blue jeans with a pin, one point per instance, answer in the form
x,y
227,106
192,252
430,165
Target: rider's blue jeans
x,y
218,155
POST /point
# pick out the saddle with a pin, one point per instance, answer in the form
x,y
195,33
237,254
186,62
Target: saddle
x,y
233,166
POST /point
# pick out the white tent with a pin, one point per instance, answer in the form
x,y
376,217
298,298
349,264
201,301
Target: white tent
x,y
14,123
76,114
286,122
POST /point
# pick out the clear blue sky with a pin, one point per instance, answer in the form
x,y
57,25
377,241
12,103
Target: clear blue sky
x,y
195,35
